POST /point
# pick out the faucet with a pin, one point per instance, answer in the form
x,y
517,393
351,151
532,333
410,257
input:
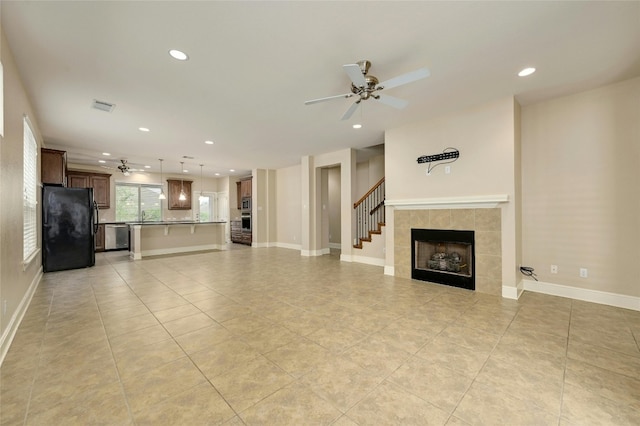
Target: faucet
x,y
143,215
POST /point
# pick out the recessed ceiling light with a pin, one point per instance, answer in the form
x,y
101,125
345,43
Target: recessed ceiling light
x,y
101,161
147,167
177,54
209,142
143,129
185,171
527,71
105,153
357,126
217,174
231,170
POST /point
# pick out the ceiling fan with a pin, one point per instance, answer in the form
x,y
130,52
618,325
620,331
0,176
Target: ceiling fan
x,y
125,168
365,86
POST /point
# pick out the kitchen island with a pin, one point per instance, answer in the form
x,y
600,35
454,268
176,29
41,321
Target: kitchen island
x,y
157,238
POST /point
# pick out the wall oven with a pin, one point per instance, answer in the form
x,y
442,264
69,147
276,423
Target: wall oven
x,y
246,222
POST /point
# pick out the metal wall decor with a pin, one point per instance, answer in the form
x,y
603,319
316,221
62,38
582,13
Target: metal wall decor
x,y
448,155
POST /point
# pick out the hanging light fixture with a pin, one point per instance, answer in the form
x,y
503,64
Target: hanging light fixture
x,y
201,193
183,196
161,196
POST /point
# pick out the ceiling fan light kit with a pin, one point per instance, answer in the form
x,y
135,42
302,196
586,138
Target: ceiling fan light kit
x,y
366,86
124,168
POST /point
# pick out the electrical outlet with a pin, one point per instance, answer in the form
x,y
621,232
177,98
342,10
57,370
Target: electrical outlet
x,y
447,170
584,273
554,269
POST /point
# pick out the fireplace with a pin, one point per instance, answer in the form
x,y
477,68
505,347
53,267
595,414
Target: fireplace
x,y
443,256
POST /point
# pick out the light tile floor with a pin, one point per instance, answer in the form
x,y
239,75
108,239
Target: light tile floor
x,y
267,337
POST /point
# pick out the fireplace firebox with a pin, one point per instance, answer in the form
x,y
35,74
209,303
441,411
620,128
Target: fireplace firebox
x,y
443,256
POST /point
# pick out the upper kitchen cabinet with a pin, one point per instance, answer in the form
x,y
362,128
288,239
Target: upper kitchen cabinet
x,y
243,190
100,182
53,166
245,187
175,186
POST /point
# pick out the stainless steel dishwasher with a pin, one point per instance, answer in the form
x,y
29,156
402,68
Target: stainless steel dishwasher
x,y
116,237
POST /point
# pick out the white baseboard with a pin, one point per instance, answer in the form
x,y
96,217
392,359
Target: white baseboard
x,y
367,260
335,246
389,270
18,315
289,246
187,249
595,296
509,292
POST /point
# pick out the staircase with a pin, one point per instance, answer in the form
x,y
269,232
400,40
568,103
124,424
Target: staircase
x,y
369,212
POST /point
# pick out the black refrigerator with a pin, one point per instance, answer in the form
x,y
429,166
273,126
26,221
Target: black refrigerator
x,y
69,224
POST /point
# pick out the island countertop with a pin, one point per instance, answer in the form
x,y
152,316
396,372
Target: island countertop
x,y
176,222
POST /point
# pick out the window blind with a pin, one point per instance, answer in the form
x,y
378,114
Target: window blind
x,y
29,184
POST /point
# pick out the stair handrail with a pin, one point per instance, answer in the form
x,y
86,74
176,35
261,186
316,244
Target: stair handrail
x,y
364,197
369,213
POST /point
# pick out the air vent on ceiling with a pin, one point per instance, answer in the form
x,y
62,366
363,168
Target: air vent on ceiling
x,y
102,106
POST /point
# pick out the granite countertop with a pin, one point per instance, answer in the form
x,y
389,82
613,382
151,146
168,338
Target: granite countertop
x,y
176,222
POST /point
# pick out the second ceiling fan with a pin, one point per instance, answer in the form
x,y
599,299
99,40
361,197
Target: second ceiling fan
x,y
365,86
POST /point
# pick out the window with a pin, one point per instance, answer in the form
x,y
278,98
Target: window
x,y
138,202
205,213
29,186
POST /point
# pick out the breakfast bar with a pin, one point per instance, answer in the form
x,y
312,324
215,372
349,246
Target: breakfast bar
x,y
158,238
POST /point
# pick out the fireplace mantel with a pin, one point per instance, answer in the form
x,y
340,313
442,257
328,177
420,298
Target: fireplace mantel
x,y
462,202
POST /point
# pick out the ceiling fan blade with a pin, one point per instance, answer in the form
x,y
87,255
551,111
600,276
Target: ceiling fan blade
x,y
347,115
355,74
328,98
405,78
392,101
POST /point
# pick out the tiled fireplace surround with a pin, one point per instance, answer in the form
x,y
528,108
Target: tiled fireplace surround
x,y
486,222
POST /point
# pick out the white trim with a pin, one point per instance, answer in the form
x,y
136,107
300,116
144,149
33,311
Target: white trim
x,y
18,315
479,201
263,245
375,261
289,246
335,246
587,295
510,292
186,249
389,270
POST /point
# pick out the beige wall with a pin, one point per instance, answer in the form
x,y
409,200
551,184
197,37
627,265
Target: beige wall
x,y
289,207
16,282
581,203
334,206
263,209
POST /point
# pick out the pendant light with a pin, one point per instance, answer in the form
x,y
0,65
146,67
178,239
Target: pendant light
x,y
161,196
201,193
183,196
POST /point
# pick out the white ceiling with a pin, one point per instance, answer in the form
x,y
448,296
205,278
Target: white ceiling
x,y
253,64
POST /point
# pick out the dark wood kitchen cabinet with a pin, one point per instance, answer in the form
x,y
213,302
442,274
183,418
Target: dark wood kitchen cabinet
x,y
53,166
243,190
100,182
174,187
